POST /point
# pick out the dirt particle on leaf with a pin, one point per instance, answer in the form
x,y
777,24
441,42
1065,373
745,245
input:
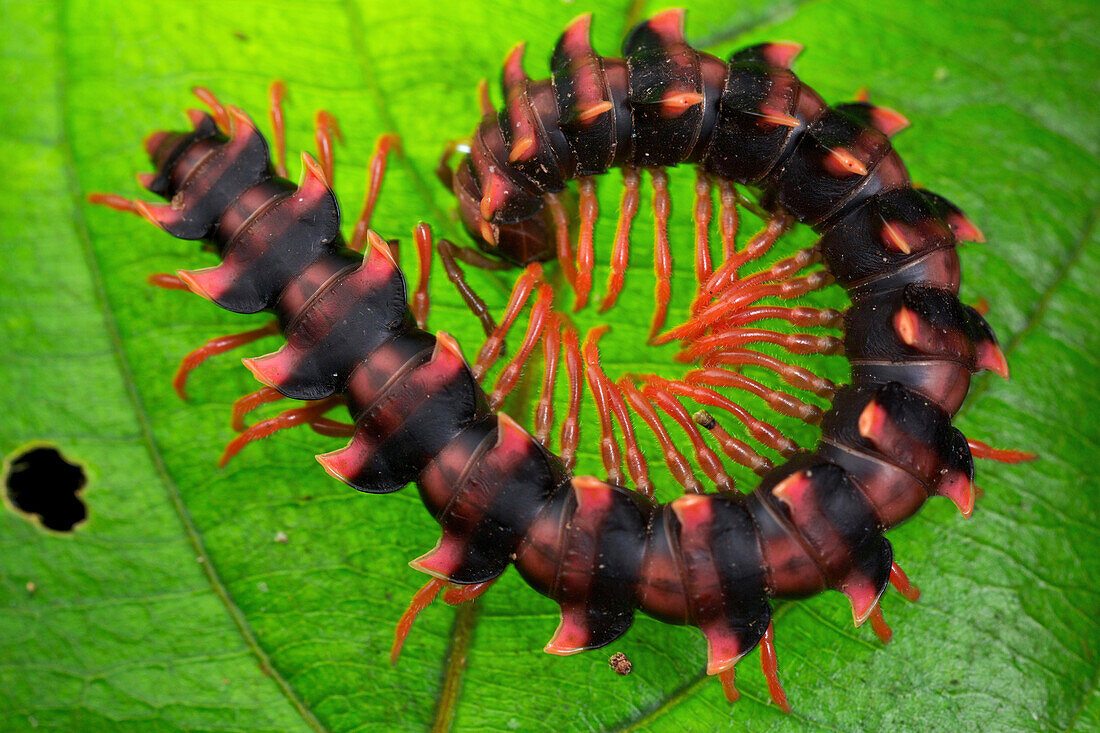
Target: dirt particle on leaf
x,y
620,663
281,538
31,588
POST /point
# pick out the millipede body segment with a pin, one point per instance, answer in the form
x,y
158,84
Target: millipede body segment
x,y
603,551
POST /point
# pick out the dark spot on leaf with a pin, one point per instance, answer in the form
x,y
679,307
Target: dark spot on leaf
x,y
41,482
240,36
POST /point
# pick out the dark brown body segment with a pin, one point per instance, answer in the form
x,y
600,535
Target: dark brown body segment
x,y
601,551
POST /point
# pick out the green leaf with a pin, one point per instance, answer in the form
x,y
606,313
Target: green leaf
x,y
127,630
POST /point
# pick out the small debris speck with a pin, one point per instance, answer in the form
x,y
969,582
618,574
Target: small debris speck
x,y
31,588
620,663
281,538
262,586
200,559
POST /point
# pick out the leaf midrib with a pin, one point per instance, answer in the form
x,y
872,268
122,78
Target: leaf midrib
x,y
110,324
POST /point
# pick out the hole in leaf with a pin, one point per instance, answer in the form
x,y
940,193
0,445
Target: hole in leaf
x,y
41,482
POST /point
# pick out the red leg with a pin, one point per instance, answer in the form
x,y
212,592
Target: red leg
x,y
250,402
728,220
114,201
769,662
795,376
458,594
278,125
586,256
799,316
756,247
394,247
166,281
422,236
508,378
726,677
443,171
613,399
325,128
521,291
901,583
978,449
762,431
570,427
561,233
447,253
282,421
707,459
332,428
795,343
739,294
747,203
878,623
610,452
620,255
420,600
217,109
662,253
736,450
704,206
677,464
725,312
544,412
781,271
376,173
786,267
781,402
215,346
474,258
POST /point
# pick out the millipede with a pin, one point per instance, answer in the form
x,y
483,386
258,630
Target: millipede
x,y
603,549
